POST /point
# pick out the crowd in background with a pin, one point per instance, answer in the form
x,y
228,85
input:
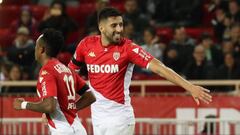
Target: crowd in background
x,y
209,56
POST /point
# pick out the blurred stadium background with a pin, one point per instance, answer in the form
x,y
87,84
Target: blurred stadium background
x,y
199,39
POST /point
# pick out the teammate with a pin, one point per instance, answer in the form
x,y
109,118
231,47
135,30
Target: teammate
x,y
57,86
110,59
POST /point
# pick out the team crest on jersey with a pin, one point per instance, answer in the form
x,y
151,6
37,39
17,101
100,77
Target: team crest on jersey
x,y
116,55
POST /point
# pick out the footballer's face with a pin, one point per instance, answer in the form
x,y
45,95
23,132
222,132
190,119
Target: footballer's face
x,y
112,29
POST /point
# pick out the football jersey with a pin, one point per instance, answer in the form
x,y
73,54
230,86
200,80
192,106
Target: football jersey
x,y
58,81
109,71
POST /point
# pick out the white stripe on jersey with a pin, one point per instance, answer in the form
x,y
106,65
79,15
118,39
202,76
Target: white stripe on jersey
x,y
127,82
109,112
75,129
59,118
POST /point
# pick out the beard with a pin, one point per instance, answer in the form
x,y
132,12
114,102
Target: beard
x,y
114,38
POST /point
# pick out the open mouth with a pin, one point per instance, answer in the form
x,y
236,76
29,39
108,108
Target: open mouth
x,y
117,35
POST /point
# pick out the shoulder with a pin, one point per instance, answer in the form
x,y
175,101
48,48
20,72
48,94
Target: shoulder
x,y
130,46
44,73
46,69
89,40
92,38
128,43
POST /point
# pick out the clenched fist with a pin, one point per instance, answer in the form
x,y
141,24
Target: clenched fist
x,y
17,103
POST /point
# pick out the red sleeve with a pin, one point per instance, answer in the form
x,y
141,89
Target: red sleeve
x,y
48,85
81,86
78,57
138,56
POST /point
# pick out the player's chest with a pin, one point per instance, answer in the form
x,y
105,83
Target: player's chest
x,y
106,56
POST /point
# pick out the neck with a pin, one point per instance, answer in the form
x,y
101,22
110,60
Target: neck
x,y
105,42
44,60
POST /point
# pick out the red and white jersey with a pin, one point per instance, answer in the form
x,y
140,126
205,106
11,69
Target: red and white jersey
x,y
58,81
109,71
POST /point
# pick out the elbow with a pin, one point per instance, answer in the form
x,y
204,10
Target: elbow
x,y
93,99
50,108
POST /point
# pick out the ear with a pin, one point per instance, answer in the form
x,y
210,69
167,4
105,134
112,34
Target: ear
x,y
42,49
100,27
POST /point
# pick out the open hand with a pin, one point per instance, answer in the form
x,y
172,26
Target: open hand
x,y
200,93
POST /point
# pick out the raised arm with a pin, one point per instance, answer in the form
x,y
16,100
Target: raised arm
x,y
197,92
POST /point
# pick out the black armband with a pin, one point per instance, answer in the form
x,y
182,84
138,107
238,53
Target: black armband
x,y
83,89
77,63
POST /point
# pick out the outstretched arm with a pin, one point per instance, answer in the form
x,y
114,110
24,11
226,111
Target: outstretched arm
x,y
197,92
47,105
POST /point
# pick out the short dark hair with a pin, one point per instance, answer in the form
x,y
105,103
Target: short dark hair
x,y
205,35
60,2
53,41
108,12
177,27
151,30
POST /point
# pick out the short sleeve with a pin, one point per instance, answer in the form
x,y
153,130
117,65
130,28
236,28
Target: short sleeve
x,y
78,57
48,85
138,56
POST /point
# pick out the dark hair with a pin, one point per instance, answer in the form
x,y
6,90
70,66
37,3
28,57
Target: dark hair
x,y
60,2
12,65
204,36
29,24
151,30
177,27
53,41
127,22
108,12
234,25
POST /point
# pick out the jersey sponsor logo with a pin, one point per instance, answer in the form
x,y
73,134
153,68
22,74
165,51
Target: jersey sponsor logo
x,y
91,54
108,68
116,55
136,50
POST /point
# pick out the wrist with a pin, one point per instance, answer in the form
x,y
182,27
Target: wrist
x,y
189,87
24,105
